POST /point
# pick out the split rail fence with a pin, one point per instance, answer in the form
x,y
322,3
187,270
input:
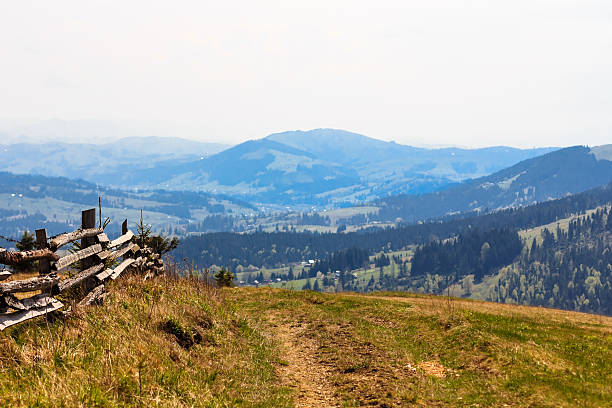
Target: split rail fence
x,y
58,275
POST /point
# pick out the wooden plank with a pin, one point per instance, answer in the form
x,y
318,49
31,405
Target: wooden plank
x,y
44,266
28,285
92,297
103,239
4,274
122,239
79,277
14,258
123,250
103,275
77,256
33,302
118,270
8,320
119,252
64,239
88,220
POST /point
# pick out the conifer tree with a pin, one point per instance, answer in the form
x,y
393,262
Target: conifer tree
x,y
27,243
224,278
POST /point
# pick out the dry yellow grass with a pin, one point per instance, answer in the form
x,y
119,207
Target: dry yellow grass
x,y
180,343
163,342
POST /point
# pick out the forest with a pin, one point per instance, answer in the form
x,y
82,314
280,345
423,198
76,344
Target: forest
x,y
474,252
567,269
272,249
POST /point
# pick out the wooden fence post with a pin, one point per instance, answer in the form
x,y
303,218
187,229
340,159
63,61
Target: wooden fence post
x,y
44,265
124,228
88,220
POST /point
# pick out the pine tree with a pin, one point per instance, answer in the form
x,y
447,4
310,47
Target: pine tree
x,y
159,244
290,275
224,278
27,243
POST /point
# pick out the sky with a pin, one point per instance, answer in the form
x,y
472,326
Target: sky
x,y
471,73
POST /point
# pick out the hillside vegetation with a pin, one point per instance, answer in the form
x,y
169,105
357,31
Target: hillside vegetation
x,y
171,342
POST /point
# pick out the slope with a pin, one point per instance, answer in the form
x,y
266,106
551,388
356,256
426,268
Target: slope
x,y
102,163
556,174
324,167
180,343
30,201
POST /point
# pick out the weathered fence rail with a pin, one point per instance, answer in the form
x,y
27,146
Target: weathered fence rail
x,y
99,259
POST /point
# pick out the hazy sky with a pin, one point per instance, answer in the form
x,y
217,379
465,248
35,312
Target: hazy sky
x,y
473,73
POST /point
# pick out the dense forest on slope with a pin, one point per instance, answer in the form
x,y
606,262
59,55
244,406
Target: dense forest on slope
x,y
472,252
569,269
278,248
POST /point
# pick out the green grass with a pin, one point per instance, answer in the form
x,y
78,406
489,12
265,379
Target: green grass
x,y
180,343
489,354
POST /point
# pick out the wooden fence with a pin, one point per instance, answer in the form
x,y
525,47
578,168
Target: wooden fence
x,y
57,275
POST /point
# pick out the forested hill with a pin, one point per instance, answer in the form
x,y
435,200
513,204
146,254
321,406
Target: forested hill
x,y
563,268
553,175
566,265
276,248
29,202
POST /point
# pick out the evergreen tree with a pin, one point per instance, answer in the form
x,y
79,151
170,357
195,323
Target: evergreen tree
x,y
290,275
159,244
27,243
224,278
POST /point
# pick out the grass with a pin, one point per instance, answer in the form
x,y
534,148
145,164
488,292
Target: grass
x,y
180,343
398,349
162,342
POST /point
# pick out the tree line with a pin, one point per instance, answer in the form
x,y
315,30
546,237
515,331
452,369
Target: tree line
x,y
273,249
566,268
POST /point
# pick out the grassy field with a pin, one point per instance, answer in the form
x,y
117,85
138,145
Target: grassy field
x,y
407,350
179,343
157,343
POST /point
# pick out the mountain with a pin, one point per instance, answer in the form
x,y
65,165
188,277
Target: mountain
x,y
102,163
29,202
260,170
554,253
328,166
278,248
562,172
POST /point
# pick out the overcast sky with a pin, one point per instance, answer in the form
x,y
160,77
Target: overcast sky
x,y
472,73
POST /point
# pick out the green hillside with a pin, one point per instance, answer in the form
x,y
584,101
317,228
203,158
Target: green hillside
x,y
180,343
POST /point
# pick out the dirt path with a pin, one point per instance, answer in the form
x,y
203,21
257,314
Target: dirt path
x,y
304,371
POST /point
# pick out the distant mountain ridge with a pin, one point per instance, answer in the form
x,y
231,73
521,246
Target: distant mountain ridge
x,y
553,175
101,163
297,169
28,202
327,166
